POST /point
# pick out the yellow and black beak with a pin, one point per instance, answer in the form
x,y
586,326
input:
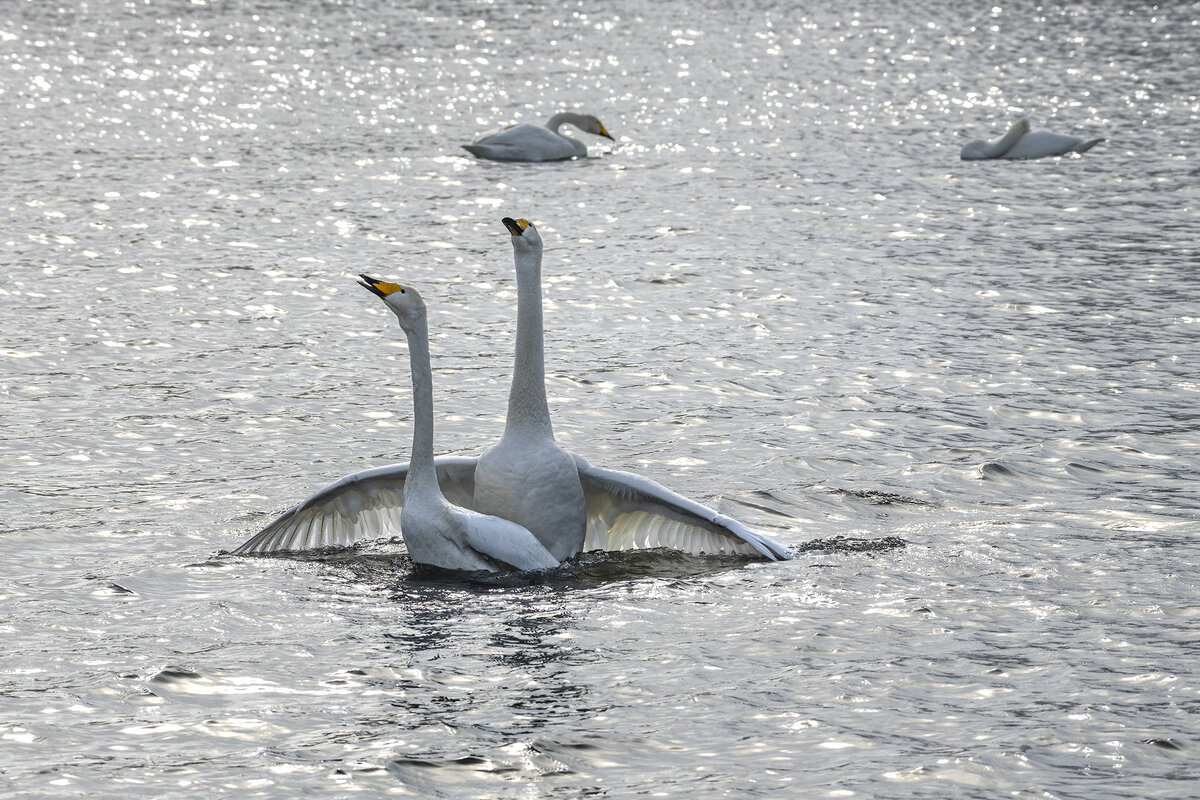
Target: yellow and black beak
x,y
378,287
604,132
515,226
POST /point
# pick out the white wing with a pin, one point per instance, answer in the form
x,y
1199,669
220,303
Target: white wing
x,y
360,506
629,512
625,512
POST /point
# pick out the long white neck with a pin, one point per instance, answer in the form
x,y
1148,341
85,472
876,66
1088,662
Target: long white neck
x,y
563,118
528,411
422,477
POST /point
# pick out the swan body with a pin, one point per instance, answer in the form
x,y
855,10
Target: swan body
x,y
562,500
527,142
1022,142
435,531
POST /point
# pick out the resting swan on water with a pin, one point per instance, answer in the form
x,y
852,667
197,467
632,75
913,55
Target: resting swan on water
x,y
564,501
1021,142
527,142
436,532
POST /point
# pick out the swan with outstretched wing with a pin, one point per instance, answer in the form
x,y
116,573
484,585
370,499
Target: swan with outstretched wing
x,y
566,503
437,532
624,512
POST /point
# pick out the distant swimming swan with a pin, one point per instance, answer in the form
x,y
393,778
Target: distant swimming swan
x,y
1021,142
568,504
527,142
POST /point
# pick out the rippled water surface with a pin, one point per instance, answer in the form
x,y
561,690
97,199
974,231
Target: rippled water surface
x,y
964,393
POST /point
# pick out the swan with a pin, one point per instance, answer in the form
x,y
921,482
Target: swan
x,y
1021,142
435,531
527,142
526,477
620,510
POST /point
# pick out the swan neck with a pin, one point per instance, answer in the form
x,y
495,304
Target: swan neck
x,y
422,478
528,411
563,118
1009,140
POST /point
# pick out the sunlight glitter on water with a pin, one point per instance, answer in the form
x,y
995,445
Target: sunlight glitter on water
x,y
779,291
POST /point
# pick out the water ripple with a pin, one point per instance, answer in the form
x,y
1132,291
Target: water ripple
x,y
964,393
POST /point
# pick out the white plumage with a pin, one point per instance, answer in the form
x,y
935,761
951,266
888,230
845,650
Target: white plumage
x,y
527,142
624,512
435,531
1021,142
526,477
565,502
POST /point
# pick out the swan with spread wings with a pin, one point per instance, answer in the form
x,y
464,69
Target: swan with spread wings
x,y
569,505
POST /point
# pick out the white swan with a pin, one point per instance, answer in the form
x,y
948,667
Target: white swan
x,y
436,532
621,510
525,477
1021,142
527,142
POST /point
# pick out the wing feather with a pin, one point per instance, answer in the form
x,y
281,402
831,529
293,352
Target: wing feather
x,y
361,506
629,512
625,512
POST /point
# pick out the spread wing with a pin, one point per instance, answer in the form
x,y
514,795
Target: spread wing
x,y
625,512
364,505
629,512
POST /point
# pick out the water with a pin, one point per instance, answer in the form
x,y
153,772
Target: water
x,y
964,393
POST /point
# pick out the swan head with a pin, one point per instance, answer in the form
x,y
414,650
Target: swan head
x,y
404,301
525,237
589,124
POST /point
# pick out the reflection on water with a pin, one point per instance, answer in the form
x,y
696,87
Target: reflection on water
x,y
964,393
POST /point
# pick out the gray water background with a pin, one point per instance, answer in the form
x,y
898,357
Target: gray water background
x,y
964,393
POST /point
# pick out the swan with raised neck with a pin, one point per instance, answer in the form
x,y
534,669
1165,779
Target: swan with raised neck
x,y
526,476
561,499
435,531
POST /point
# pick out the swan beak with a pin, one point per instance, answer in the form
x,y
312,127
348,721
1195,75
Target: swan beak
x,y
377,287
605,134
515,226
